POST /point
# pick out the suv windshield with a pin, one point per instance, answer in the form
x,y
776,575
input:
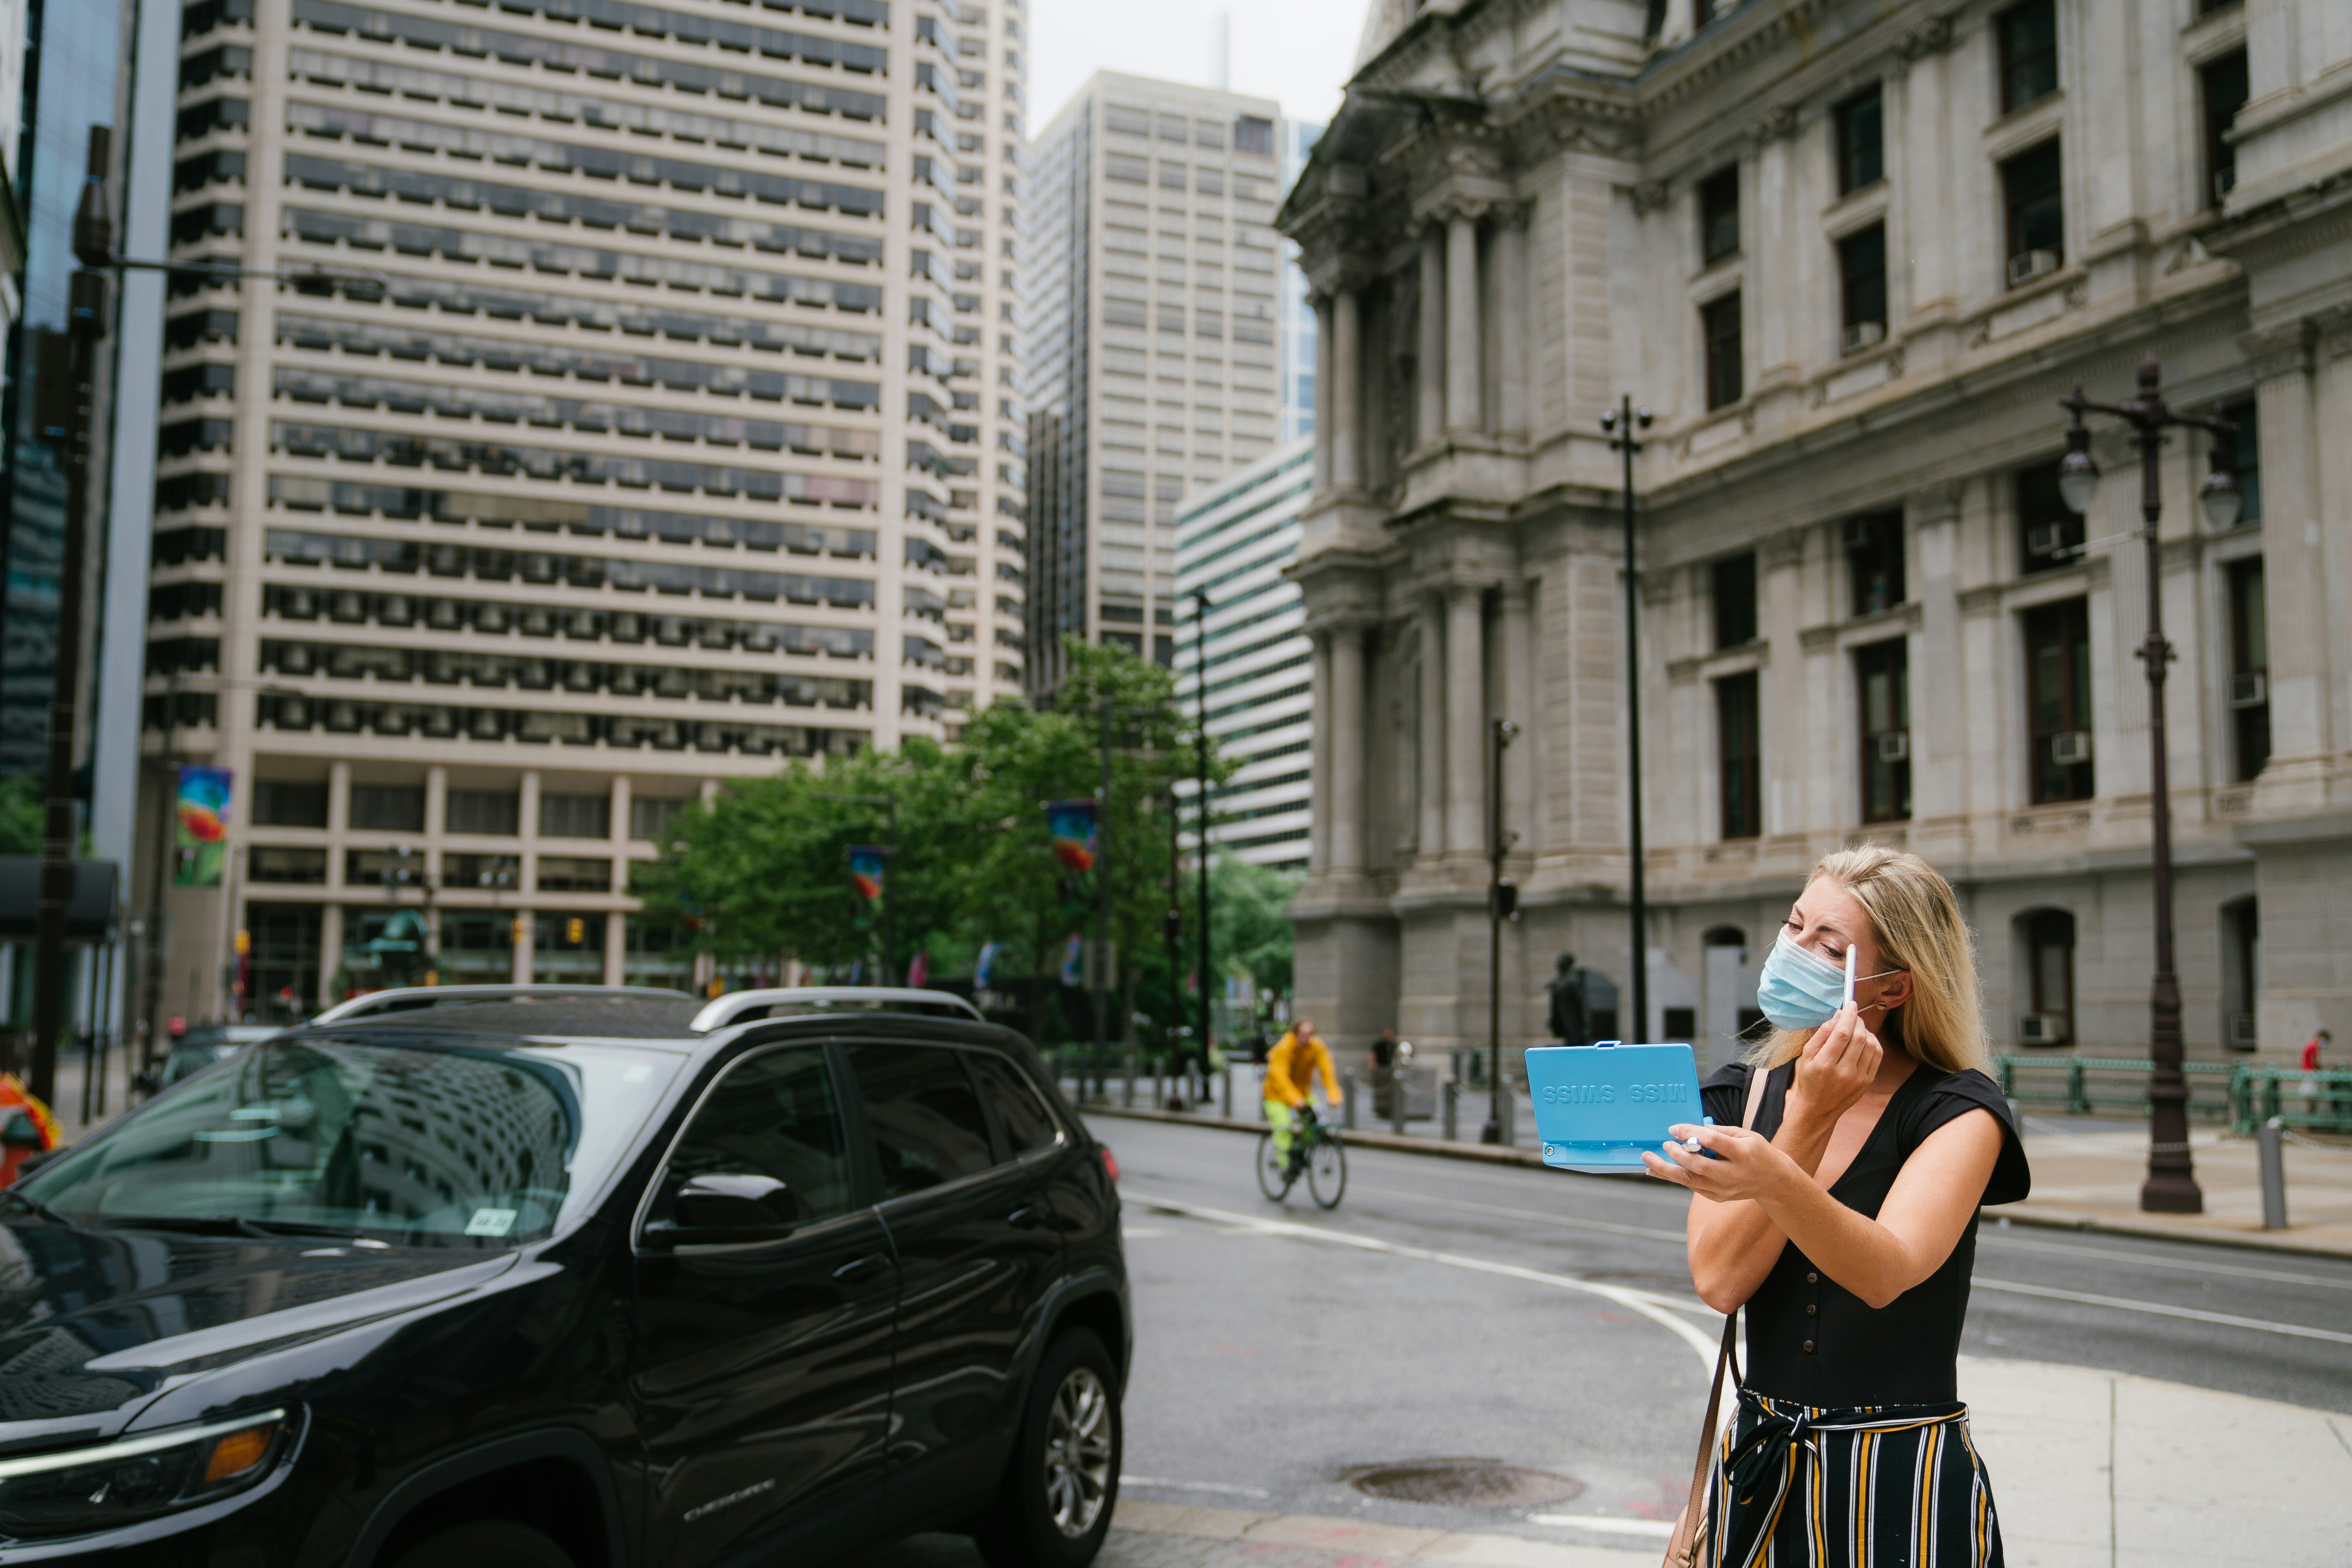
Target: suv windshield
x,y
480,1148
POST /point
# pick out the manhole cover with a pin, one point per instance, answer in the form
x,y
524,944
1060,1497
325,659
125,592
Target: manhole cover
x,y
1466,1483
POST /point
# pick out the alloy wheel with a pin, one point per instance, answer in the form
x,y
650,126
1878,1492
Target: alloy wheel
x,y
1077,1453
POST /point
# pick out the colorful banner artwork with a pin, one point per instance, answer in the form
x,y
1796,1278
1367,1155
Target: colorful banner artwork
x,y
203,832
869,869
919,974
1074,960
1072,826
984,970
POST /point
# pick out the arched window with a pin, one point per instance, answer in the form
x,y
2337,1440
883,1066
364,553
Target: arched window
x,y
2241,952
2048,941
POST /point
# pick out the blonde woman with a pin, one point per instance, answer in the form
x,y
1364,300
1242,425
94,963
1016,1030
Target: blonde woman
x,y
1844,1219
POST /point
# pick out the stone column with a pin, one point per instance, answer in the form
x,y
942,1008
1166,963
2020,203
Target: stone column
x,y
1322,392
1344,759
1431,737
1319,755
2295,580
1461,361
1466,714
1511,306
1347,394
1429,404
1936,672
1517,661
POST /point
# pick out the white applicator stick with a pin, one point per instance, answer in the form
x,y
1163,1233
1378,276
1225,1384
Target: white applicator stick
x,y
1849,974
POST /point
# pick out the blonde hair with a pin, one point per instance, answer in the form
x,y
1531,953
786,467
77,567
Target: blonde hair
x,y
1917,923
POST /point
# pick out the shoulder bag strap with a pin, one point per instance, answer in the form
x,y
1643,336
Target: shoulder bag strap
x,y
1729,1356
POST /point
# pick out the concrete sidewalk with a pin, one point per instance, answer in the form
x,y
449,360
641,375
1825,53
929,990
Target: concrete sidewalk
x,y
2089,1470
2087,1176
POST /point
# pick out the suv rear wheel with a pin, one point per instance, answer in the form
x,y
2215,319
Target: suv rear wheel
x,y
486,1543
1063,1481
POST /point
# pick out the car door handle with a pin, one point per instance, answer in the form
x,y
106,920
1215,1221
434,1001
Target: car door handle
x,y
861,1269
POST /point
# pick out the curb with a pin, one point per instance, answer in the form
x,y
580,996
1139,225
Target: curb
x,y
1478,1154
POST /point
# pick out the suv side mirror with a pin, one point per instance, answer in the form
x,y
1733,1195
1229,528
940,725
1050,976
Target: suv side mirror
x,y
728,1210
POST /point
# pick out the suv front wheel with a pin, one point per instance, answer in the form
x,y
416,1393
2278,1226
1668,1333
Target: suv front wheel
x,y
1063,1481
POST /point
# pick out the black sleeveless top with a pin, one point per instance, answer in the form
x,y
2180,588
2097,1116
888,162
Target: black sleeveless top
x,y
1812,1341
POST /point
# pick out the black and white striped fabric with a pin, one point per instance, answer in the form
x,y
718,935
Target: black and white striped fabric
x,y
1887,1486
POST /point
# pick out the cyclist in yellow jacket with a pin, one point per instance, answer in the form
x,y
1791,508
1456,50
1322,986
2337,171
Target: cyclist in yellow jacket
x,y
1290,1069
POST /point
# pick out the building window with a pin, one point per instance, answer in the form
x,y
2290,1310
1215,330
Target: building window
x,y
2029,186
1742,764
2048,531
567,950
2029,53
575,815
1862,267
1718,216
2248,417
279,863
571,874
1861,142
2058,700
492,811
285,959
1734,600
1874,558
1882,680
284,803
2049,978
1253,136
2242,973
650,816
477,949
388,808
2223,85
1720,323
2250,669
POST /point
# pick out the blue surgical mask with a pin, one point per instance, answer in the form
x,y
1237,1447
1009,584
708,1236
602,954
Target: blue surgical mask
x,y
1802,990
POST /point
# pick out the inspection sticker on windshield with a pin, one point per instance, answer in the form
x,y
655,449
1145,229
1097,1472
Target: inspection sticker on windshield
x,y
490,1221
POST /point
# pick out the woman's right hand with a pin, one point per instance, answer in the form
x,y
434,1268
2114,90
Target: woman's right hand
x,y
1836,1068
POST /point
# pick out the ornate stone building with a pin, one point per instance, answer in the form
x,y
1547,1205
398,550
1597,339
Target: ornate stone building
x,y
1850,253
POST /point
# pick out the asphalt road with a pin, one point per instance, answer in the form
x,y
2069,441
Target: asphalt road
x,y
1459,1318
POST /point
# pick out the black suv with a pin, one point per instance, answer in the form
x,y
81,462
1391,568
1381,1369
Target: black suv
x,y
489,1276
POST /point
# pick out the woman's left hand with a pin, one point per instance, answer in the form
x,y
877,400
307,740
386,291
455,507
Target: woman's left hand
x,y
1747,1165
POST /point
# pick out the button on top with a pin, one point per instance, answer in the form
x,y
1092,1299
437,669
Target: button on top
x,y
1811,1310
1809,1347
1812,1278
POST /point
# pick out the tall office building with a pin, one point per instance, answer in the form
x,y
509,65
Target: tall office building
x,y
1151,307
1298,138
1233,541
641,409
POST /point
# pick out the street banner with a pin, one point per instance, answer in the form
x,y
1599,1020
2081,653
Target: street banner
x,y
867,869
1074,960
202,835
1072,826
919,974
985,969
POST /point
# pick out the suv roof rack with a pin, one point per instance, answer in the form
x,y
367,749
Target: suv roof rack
x,y
407,998
735,1003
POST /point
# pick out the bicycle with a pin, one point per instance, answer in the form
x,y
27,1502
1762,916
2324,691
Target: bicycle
x,y
1316,1152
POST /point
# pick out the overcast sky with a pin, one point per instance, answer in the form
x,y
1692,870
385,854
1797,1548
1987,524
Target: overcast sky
x,y
1296,51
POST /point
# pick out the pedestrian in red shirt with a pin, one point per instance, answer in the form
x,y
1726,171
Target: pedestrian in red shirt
x,y
2310,1067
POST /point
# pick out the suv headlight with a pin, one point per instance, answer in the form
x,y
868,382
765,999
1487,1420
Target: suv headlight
x,y
83,1491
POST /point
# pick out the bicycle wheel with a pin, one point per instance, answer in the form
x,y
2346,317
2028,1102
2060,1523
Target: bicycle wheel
x,y
1273,1179
1326,1172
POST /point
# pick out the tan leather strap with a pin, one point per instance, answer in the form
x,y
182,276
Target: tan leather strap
x,y
1729,1356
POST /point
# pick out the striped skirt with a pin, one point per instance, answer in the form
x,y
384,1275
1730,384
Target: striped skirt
x,y
1885,1486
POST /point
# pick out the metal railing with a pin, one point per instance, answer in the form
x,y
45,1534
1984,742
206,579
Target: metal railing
x,y
2245,1094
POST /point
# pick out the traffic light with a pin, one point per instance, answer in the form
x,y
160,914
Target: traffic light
x,y
522,931
244,943
574,929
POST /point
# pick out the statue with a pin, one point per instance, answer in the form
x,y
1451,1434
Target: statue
x,y
1570,1023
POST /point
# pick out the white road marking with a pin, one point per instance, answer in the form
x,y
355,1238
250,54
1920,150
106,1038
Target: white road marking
x,y
1219,1488
1663,1529
1662,1311
2157,1308
2166,1262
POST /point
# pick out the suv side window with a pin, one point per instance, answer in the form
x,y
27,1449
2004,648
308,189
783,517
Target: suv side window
x,y
774,1115
1028,1126
928,1125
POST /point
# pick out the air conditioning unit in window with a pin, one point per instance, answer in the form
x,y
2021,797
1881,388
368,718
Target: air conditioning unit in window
x,y
1894,746
2074,746
1862,335
2242,1036
2026,266
2042,1029
2250,690
2049,539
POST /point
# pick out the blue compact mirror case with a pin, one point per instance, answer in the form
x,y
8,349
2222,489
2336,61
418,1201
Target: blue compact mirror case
x,y
1598,1107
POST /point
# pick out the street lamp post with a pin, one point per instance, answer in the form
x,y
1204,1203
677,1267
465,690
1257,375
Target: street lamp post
x,y
2171,1185
1502,902
1622,423
1200,607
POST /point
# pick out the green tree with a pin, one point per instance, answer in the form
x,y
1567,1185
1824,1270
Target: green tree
x,y
23,810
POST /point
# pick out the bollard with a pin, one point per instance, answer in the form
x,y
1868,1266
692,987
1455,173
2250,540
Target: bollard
x,y
1347,1099
1510,1114
1396,1100
2272,1137
1126,1072
1452,1109
1229,1091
